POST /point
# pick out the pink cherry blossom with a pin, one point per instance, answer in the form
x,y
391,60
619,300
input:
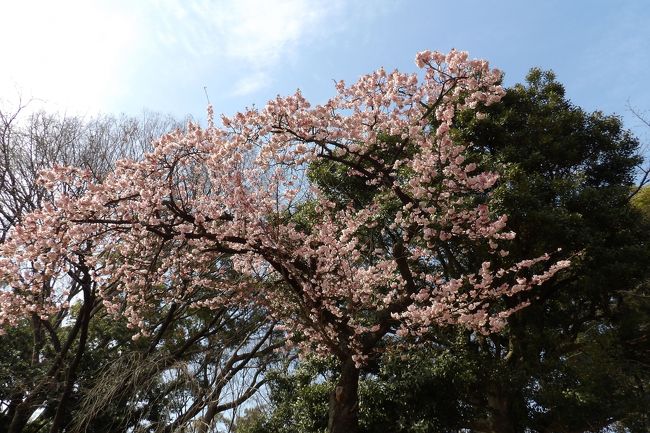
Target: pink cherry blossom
x,y
209,210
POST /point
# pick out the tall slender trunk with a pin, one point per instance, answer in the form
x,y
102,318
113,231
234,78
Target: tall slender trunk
x,y
63,408
344,401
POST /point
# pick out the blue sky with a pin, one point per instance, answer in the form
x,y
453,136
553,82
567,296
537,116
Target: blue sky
x,y
128,55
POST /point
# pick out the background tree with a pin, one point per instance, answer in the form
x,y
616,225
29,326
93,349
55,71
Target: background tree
x,y
569,360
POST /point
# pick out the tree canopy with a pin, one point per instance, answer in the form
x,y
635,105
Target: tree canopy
x,y
207,203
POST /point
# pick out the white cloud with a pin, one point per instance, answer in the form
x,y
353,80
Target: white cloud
x,y
257,35
251,83
84,55
66,53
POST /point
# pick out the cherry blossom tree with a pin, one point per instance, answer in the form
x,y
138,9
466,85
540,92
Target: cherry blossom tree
x,y
343,277
45,364
77,369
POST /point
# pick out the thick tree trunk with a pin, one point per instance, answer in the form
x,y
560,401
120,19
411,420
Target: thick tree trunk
x,y
501,419
344,401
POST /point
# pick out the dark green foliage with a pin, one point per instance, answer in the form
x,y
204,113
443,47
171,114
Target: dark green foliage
x,y
15,368
567,186
299,401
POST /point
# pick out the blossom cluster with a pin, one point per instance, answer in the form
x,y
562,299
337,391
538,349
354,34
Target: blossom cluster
x,y
213,211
